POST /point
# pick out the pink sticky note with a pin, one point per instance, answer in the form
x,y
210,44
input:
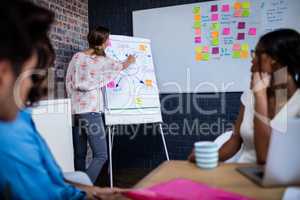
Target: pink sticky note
x,y
111,84
182,189
197,39
205,49
225,8
241,25
197,31
252,31
214,8
214,17
215,50
241,36
236,47
238,13
226,31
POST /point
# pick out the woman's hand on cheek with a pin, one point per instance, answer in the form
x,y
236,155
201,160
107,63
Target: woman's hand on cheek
x,y
260,81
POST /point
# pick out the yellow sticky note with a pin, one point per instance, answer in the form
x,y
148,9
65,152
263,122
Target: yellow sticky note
x,y
197,17
214,34
198,49
246,4
237,5
149,83
196,10
244,54
142,47
138,101
198,56
245,47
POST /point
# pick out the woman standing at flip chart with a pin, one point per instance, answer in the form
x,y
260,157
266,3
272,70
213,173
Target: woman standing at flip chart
x,y
88,72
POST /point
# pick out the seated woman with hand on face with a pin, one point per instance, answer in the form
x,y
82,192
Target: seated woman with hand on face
x,y
273,97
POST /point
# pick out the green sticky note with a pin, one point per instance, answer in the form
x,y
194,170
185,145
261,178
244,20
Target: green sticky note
x,y
206,56
197,24
246,4
196,10
198,49
215,26
246,13
245,47
215,41
236,54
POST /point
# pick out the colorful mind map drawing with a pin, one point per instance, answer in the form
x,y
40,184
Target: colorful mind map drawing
x,y
135,87
221,28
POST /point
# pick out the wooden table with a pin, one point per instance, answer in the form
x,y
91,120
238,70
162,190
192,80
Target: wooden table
x,y
225,176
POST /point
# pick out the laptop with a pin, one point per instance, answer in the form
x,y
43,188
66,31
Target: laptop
x,y
283,161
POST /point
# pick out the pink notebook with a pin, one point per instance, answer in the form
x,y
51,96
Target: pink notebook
x,y
182,189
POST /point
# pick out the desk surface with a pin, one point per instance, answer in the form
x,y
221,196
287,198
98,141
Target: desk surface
x,y
225,176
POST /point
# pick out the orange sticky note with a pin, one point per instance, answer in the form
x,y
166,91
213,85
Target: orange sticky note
x,y
142,47
148,83
244,54
198,56
214,34
197,17
237,5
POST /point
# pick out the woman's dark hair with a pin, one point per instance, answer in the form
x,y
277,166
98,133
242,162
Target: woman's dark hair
x,y
96,38
283,45
23,25
46,57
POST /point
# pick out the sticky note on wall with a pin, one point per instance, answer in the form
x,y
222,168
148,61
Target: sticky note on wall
x,y
240,36
197,31
198,39
196,10
236,54
214,34
215,50
215,41
236,47
214,17
198,49
252,31
206,56
205,49
238,13
226,31
214,8
225,8
215,26
197,17
246,13
197,24
246,5
241,25
198,56
237,5
245,47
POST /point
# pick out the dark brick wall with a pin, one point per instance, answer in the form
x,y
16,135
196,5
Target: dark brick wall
x,y
68,35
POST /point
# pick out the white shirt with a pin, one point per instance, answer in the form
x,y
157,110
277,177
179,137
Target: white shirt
x,y
85,77
290,109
